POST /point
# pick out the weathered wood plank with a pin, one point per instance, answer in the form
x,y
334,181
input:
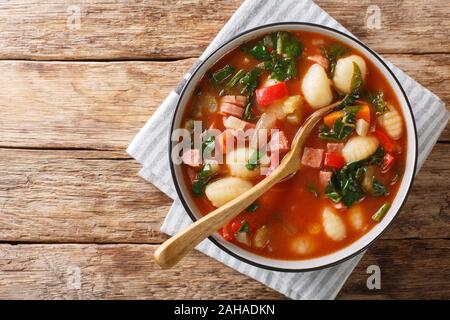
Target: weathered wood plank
x,y
171,29
92,196
410,269
103,105
128,271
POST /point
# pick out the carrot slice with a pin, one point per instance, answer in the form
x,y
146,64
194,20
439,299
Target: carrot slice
x,y
363,113
331,118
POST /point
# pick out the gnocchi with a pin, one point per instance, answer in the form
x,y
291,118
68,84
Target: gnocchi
x,y
358,148
343,74
226,189
302,245
391,122
316,87
236,162
333,225
356,218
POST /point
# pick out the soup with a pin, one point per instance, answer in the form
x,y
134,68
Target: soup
x,y
250,106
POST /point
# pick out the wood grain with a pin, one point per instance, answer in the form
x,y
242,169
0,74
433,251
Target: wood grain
x,y
91,196
129,272
101,105
137,29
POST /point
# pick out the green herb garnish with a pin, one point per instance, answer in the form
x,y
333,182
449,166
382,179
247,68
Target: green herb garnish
x,y
378,188
253,207
222,74
244,227
235,79
202,179
342,127
332,53
381,212
249,81
253,161
377,100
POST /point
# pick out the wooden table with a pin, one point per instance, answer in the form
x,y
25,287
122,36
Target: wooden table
x,y
76,221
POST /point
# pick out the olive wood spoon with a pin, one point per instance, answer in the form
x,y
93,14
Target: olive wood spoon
x,y
175,248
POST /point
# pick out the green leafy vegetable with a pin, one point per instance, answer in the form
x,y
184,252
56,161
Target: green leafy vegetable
x,y
253,161
314,191
332,54
244,227
345,184
355,88
248,114
381,212
378,188
249,81
202,179
377,157
208,145
342,127
222,74
259,51
377,100
253,207
235,79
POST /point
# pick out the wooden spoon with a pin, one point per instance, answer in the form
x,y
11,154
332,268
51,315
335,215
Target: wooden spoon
x,y
174,249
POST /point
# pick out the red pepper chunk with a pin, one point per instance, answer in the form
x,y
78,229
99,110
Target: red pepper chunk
x,y
334,160
386,142
226,232
267,95
235,226
387,163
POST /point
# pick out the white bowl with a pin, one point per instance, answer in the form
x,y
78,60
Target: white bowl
x,y
357,246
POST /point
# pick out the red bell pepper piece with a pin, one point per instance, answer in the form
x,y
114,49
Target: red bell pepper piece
x,y
235,226
267,95
387,163
334,160
386,142
226,232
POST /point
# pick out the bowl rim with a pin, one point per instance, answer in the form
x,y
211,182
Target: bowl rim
x,y
175,113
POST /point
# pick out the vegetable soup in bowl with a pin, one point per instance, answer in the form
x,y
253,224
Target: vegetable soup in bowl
x,y
237,117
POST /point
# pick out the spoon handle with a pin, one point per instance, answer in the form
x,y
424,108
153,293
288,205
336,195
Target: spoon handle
x,y
174,249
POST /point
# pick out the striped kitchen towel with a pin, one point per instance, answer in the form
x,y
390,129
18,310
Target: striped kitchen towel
x,y
150,147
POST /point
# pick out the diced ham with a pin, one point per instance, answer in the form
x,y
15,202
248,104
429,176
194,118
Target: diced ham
x,y
320,60
231,109
192,157
232,122
312,157
236,100
335,147
325,177
278,142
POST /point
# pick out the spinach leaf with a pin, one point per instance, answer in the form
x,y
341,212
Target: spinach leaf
x,y
377,156
345,184
253,161
378,188
222,74
355,88
377,100
332,53
249,81
202,179
253,207
342,127
244,227
259,51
